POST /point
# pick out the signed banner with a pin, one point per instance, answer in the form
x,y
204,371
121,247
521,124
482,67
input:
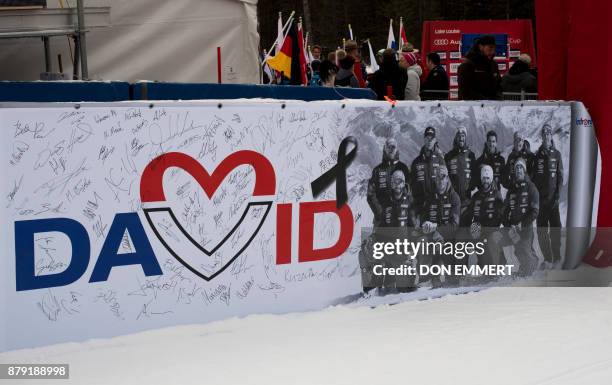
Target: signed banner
x,y
124,217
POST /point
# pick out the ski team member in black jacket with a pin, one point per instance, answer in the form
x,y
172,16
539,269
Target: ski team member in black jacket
x,y
460,162
519,150
379,186
521,208
547,175
424,169
440,219
400,221
485,211
492,157
400,211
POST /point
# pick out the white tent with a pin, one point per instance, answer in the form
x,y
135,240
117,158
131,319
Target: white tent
x,y
142,40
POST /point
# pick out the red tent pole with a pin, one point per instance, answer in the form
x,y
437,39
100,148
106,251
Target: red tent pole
x,y
219,65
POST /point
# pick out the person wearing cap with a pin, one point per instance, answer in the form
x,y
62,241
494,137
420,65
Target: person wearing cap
x,y
409,62
390,80
520,149
547,175
440,219
400,220
478,76
521,208
380,184
485,217
352,49
424,168
461,162
492,157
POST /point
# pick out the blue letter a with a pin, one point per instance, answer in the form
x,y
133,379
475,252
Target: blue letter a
x,y
143,254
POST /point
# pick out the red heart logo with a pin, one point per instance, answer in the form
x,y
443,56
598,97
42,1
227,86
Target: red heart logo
x,y
180,244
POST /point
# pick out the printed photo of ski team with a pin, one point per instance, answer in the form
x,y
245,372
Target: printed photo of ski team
x,y
510,200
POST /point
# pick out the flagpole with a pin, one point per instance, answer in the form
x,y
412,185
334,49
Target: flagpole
x,y
401,41
290,19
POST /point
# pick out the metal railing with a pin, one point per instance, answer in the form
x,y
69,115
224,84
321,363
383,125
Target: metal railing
x,y
452,94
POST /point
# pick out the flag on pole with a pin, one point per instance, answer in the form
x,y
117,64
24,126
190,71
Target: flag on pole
x,y
279,35
373,63
351,32
302,54
391,43
287,61
402,34
307,50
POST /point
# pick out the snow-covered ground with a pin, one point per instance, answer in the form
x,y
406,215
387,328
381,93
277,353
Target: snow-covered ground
x,y
498,336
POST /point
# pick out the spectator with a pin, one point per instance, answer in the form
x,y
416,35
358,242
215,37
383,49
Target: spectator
x,y
315,78
332,56
437,79
358,68
478,75
316,52
408,61
340,54
519,78
390,80
327,72
346,77
527,59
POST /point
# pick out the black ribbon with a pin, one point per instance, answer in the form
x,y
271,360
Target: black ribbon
x,y
337,173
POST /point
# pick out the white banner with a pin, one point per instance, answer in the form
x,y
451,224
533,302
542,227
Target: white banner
x,y
125,217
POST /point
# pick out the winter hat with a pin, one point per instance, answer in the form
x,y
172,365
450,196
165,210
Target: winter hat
x,y
462,129
486,40
547,129
410,58
430,131
519,135
522,162
486,170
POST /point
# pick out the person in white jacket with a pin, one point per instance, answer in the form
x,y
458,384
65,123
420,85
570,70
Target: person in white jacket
x,y
408,60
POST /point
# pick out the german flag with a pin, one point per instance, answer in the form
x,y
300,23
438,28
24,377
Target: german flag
x,y
287,61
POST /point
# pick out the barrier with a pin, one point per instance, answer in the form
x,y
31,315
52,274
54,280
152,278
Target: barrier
x,y
92,91
122,217
196,91
64,91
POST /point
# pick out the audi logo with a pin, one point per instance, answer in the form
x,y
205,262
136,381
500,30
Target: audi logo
x,y
440,42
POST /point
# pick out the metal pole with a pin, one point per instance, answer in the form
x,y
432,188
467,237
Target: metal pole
x,y
77,55
47,54
81,31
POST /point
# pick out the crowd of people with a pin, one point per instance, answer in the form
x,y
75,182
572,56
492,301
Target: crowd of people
x,y
457,196
405,75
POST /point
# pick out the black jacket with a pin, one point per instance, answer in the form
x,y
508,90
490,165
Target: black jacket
x,y
522,204
547,174
478,78
460,163
437,80
423,174
486,208
443,210
389,74
379,187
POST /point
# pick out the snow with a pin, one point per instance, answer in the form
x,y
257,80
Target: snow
x,y
498,336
